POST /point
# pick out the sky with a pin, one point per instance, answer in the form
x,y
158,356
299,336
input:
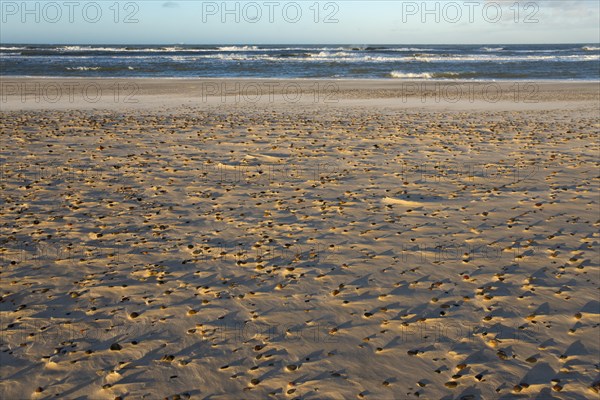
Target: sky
x,y
300,22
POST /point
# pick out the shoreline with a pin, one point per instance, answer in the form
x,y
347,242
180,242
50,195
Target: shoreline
x,y
156,93
300,79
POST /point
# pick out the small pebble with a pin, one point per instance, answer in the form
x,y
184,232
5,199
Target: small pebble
x,y
557,388
517,388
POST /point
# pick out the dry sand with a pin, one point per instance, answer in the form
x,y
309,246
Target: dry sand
x,y
383,245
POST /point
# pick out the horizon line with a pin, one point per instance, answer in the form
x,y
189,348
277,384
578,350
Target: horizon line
x,y
292,44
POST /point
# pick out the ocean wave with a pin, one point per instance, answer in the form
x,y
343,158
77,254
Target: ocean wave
x,y
393,49
348,57
11,48
238,48
411,49
464,75
325,57
168,49
91,49
181,58
121,49
540,51
312,56
328,54
496,58
418,62
184,48
492,49
411,75
83,68
82,48
233,57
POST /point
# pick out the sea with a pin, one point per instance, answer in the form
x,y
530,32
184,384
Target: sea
x,y
573,62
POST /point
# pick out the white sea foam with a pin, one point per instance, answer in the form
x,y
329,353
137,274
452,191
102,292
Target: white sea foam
x,y
496,58
411,75
424,75
238,48
83,68
410,49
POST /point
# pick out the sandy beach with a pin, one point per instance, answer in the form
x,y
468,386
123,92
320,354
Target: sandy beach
x,y
252,239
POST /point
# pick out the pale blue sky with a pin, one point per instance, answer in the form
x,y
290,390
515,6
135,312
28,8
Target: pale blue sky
x,y
358,22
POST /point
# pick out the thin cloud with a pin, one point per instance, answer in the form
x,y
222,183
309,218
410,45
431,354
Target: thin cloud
x,y
171,4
